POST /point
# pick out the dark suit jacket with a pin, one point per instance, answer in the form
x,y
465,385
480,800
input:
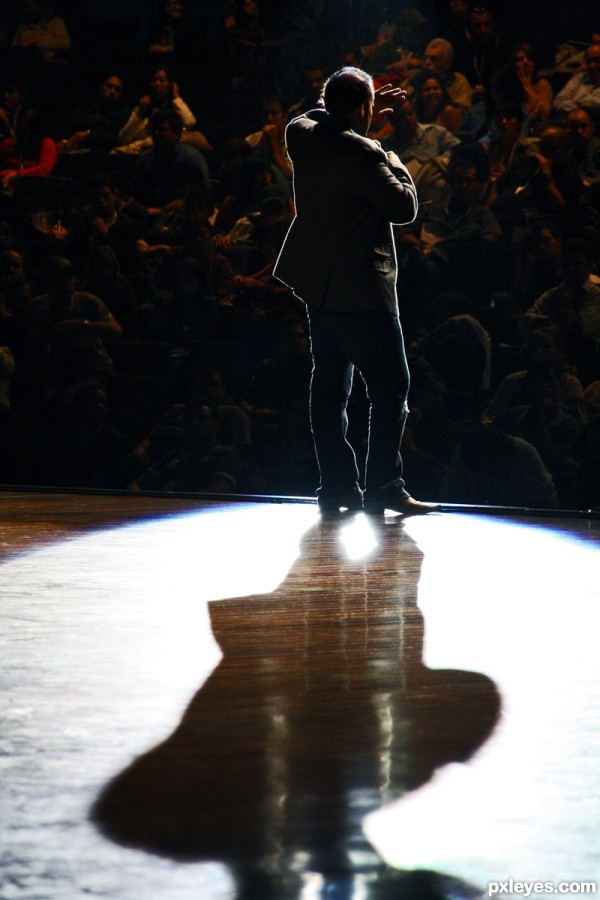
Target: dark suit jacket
x,y
339,253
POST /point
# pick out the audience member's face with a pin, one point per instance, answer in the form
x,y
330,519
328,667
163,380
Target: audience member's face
x,y
592,58
12,96
466,183
405,119
12,268
111,90
316,80
160,85
580,126
549,245
431,92
508,125
164,136
32,10
435,60
105,200
481,26
553,144
175,9
274,115
576,268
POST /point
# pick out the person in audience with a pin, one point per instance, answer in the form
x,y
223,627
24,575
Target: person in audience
x,y
99,119
490,467
31,152
534,91
12,104
67,328
268,144
165,171
195,460
581,282
437,59
416,142
582,90
543,345
41,29
163,94
432,103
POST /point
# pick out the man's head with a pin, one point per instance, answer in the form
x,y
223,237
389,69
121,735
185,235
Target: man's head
x,y
111,91
59,276
543,240
577,261
12,269
438,56
348,94
103,193
509,118
592,62
404,120
275,114
480,25
167,128
581,127
554,144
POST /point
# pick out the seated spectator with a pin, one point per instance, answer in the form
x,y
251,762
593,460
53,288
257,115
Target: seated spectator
x,y
99,119
315,81
530,89
584,155
538,265
582,90
492,468
174,39
414,142
164,172
108,219
548,188
12,105
197,281
30,153
40,29
268,144
480,52
511,164
195,460
579,281
206,382
163,95
543,421
437,59
16,295
458,347
432,103
543,345
66,328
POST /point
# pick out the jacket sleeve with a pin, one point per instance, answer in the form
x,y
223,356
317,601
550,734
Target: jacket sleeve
x,y
388,186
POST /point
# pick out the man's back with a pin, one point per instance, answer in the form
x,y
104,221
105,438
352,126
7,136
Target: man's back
x,y
346,195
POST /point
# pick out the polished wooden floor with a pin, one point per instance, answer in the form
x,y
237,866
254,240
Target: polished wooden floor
x,y
242,700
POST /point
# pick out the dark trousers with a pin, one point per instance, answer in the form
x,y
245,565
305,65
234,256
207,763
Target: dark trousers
x,y
373,344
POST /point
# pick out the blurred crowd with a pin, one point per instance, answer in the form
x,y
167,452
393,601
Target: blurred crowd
x,y
145,194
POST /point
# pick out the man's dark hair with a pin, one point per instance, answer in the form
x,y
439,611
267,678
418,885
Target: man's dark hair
x,y
169,115
345,90
470,154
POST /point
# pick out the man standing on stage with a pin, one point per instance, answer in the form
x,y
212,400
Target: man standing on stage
x,y
339,258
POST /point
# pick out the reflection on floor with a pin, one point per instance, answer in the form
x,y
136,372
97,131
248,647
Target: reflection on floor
x,y
238,700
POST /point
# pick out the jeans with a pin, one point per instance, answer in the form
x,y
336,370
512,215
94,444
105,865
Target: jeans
x,y
373,344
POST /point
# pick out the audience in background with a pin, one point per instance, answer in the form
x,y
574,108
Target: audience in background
x,y
143,250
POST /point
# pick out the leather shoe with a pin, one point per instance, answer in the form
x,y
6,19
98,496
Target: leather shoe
x,y
408,506
351,500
